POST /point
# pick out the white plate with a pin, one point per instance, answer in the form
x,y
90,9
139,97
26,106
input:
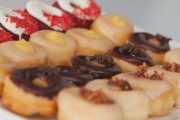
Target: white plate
x,y
173,115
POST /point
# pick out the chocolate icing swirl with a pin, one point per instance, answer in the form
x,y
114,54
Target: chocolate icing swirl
x,y
23,79
110,69
142,38
75,76
132,54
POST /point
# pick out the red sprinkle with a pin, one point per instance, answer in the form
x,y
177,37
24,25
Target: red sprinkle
x,y
92,11
64,21
5,36
27,22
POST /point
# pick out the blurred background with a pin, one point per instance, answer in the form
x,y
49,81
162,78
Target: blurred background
x,y
157,16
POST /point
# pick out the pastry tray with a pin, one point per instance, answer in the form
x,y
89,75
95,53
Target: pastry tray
x,y
173,115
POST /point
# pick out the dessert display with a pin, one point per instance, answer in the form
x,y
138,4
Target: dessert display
x,y
83,12
89,42
120,90
24,53
172,75
6,66
100,66
160,92
172,56
17,23
154,45
49,17
60,47
130,57
66,61
115,28
36,89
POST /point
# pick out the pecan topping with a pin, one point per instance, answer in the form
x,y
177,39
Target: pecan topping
x,y
85,69
157,76
103,59
141,72
97,97
132,50
174,67
120,84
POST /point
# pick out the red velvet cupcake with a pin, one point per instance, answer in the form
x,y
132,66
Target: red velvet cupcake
x,y
17,23
83,12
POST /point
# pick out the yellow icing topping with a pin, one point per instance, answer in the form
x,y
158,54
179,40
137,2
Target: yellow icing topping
x,y
91,34
23,45
55,37
118,22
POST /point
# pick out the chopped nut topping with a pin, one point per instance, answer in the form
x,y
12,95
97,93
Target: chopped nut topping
x,y
103,59
120,84
157,76
141,72
174,67
97,97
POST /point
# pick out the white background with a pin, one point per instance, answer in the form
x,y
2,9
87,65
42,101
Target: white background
x,y
158,16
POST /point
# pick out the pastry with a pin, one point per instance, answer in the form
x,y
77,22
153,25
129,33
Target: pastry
x,y
171,74
129,57
49,17
18,23
83,12
100,66
74,105
115,28
154,45
121,91
6,66
89,42
160,91
60,47
32,91
172,56
24,53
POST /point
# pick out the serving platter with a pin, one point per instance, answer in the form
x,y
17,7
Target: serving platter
x,y
173,115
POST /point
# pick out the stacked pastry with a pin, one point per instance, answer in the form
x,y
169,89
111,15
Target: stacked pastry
x,y
65,57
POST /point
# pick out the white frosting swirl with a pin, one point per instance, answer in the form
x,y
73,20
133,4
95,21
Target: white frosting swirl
x,y
5,21
36,8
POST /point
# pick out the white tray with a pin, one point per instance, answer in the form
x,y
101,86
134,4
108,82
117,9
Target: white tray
x,y
173,115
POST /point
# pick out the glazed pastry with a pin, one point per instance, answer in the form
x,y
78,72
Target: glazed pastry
x,y
100,66
24,54
154,45
74,77
129,57
115,28
49,17
172,75
172,56
6,66
160,91
18,23
83,12
5,36
60,47
89,42
32,91
75,104
134,108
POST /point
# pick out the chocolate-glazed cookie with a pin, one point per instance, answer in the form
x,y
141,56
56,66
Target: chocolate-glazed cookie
x,y
154,45
129,57
100,66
